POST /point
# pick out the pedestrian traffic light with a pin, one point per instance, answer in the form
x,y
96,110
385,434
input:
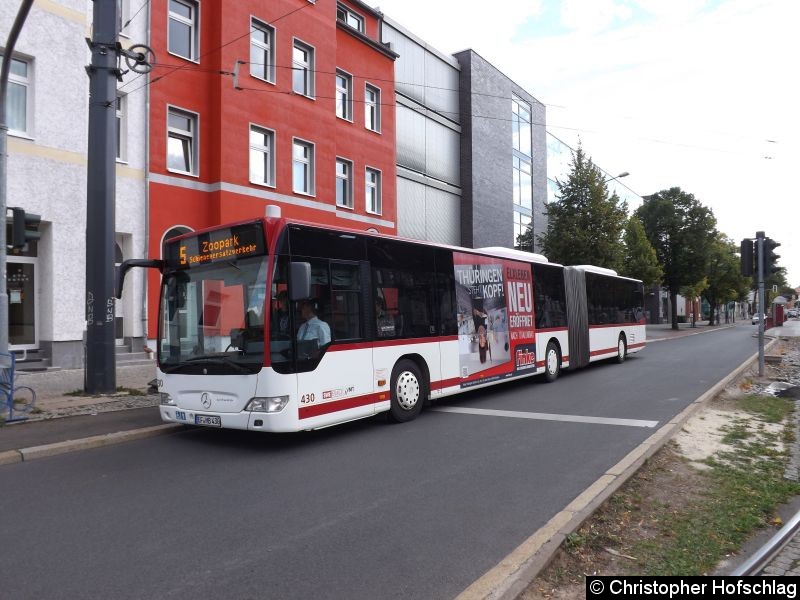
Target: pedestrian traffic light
x,y
24,227
747,257
770,258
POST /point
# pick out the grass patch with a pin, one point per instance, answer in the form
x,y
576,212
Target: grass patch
x,y
740,493
120,390
769,408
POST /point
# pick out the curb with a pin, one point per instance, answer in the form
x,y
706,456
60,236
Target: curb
x,y
517,570
95,441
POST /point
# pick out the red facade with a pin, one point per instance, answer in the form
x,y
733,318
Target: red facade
x,y
221,108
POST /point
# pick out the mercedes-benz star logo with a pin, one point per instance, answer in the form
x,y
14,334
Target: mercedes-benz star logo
x,y
205,400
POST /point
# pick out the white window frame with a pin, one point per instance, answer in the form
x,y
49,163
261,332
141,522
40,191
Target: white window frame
x,y
269,150
27,83
194,28
519,228
192,136
377,186
267,49
310,78
348,178
372,106
121,108
516,104
347,13
310,180
124,7
348,95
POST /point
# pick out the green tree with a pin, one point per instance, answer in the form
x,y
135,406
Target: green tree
x,y
681,230
724,279
584,224
641,261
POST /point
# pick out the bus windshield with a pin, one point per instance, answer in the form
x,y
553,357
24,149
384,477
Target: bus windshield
x,y
212,318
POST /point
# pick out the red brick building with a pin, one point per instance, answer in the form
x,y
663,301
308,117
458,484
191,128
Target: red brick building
x,y
286,102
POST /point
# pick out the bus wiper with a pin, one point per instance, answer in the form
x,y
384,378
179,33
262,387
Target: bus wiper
x,y
224,360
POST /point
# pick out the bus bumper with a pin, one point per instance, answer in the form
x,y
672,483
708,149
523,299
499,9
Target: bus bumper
x,y
245,420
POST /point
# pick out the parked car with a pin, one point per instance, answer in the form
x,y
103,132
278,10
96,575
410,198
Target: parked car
x,y
757,317
793,313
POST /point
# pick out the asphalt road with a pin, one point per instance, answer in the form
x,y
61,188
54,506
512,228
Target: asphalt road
x,y
364,510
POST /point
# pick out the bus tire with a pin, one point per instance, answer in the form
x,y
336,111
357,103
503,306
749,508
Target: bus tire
x,y
409,391
552,362
622,348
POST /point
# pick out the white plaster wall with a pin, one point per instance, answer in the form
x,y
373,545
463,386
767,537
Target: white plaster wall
x,y
47,172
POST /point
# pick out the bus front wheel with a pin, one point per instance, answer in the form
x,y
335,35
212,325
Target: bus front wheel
x,y
622,349
552,362
408,392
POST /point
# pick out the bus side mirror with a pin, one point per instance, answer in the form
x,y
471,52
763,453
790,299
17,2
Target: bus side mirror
x,y
299,281
135,262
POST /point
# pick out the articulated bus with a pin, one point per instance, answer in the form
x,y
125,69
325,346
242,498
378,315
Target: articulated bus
x,y
274,325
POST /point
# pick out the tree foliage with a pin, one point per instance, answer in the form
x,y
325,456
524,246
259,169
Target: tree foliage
x,y
681,230
723,274
585,224
640,261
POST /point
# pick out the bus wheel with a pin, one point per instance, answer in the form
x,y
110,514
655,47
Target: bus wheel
x,y
622,349
552,362
408,392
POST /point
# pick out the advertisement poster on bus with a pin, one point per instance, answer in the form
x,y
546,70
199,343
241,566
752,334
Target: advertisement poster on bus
x,y
496,336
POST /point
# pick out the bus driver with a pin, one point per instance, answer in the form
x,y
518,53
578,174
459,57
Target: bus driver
x,y
314,328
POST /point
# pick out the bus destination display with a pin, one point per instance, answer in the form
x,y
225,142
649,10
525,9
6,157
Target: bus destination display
x,y
224,244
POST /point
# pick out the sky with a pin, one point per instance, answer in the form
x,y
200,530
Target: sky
x,y
699,94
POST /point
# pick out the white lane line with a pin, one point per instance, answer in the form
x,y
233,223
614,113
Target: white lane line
x,y
514,414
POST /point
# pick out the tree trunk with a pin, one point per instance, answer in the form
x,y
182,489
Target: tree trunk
x,y
673,300
712,307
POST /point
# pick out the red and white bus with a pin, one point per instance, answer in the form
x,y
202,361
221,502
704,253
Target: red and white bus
x,y
274,325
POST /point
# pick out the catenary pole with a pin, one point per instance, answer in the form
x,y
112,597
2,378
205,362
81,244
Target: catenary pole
x,y
22,14
761,307
100,373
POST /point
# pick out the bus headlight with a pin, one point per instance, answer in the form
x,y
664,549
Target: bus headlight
x,y
267,405
166,400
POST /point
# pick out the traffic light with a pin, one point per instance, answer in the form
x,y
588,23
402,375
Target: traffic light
x,y
24,227
770,258
746,249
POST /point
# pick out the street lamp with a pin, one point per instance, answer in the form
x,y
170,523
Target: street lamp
x,y
620,176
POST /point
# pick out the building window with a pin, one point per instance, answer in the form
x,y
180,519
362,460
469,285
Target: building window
x,y
183,30
122,127
303,69
182,142
372,108
521,224
523,183
303,167
123,10
19,96
344,183
262,51
521,125
262,156
344,95
348,17
373,191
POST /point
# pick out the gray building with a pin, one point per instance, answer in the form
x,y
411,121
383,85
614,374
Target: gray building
x,y
503,156
471,152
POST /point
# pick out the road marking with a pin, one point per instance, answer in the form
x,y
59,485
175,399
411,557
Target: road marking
x,y
515,414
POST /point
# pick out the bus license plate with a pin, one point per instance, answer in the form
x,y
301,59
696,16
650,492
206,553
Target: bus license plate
x,y
208,420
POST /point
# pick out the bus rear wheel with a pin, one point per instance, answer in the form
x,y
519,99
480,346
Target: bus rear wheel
x,y
622,348
408,392
552,362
